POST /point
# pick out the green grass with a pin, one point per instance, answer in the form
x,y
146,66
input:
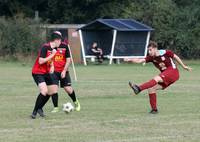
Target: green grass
x,y
109,113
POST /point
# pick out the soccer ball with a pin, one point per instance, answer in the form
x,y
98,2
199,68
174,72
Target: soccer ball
x,y
68,107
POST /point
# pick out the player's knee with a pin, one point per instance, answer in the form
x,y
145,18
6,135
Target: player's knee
x,y
68,89
44,92
158,79
43,88
151,90
52,89
51,92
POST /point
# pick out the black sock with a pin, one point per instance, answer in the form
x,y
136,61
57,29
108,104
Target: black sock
x,y
38,102
54,99
73,96
45,100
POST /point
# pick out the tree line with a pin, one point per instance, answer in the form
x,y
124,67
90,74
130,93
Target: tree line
x,y
176,22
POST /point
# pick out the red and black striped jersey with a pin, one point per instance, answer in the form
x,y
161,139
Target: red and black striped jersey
x,y
60,57
44,52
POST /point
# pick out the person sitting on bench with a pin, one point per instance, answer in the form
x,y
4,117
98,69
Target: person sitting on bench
x,y
97,52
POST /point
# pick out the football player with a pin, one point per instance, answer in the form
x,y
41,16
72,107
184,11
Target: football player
x,y
164,61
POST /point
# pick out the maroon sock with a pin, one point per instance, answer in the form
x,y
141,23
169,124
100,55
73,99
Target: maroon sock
x,y
152,100
148,84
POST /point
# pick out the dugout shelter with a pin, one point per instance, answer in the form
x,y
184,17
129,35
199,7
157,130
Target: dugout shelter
x,y
118,38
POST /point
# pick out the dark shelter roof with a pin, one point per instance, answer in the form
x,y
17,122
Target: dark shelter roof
x,y
117,24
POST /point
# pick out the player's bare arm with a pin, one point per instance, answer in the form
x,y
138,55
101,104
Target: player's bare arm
x,y
181,63
135,60
51,68
44,60
67,64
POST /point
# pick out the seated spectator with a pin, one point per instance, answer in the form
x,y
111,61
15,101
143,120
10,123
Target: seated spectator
x,y
97,52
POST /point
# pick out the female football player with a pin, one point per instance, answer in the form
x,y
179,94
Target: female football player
x,y
42,72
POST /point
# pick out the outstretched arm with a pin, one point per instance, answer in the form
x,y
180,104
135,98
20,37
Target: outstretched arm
x,y
135,60
181,63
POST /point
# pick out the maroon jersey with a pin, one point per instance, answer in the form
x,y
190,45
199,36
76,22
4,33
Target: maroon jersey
x,y
44,52
163,61
60,57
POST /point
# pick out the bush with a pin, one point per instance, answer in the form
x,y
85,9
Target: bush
x,y
19,37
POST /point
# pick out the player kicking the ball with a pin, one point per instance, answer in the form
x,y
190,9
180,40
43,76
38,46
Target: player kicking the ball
x,y
163,60
61,63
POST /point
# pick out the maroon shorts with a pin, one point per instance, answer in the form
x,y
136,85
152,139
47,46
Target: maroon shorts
x,y
169,76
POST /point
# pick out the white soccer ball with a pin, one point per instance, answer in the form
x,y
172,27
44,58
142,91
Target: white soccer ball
x,y
68,107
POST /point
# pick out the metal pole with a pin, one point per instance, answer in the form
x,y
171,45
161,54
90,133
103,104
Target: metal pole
x,y
113,46
82,47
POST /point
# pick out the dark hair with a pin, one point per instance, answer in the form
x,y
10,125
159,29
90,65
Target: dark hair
x,y
56,35
153,44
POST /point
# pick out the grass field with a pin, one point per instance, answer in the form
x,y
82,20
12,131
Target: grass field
x,y
109,113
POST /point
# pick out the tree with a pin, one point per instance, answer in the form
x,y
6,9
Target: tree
x,y
176,22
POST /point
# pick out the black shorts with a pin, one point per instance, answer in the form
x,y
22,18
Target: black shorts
x,y
63,81
49,79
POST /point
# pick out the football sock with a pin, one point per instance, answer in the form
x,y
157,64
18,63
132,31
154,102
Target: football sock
x,y
73,96
54,99
45,101
39,101
148,84
152,100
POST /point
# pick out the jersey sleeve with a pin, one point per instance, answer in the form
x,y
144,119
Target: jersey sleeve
x,y
43,52
148,59
169,53
67,54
